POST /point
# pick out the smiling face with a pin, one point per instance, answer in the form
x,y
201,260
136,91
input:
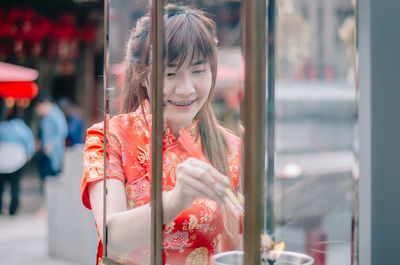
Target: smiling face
x,y
186,90
190,58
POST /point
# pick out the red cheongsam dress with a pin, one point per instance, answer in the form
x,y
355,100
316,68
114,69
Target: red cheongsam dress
x,y
195,233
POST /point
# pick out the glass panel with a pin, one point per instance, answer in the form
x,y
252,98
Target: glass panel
x,y
315,186
316,173
128,148
209,221
202,84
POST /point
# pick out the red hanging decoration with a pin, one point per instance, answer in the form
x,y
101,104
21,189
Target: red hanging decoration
x,y
18,90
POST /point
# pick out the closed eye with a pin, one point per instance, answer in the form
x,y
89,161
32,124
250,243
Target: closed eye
x,y
170,74
198,71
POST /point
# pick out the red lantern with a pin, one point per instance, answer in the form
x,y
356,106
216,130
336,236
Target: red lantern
x,y
41,29
14,14
18,90
8,29
16,81
88,33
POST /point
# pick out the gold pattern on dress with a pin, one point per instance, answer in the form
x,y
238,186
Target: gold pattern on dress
x,y
93,140
192,131
211,204
198,256
134,199
94,158
143,155
169,228
168,136
209,208
171,161
192,224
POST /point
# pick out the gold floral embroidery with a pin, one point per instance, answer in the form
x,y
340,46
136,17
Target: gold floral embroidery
x,y
176,241
197,257
137,192
93,140
192,224
192,131
170,228
208,210
211,204
143,155
171,161
168,136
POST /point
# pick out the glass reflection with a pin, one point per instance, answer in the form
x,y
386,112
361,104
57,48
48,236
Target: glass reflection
x,y
201,158
315,188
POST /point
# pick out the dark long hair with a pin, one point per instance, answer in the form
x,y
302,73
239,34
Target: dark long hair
x,y
186,30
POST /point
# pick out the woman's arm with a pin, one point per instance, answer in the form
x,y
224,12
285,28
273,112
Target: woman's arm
x,y
127,229
130,229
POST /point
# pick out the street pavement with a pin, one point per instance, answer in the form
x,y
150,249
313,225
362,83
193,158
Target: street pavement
x,y
24,237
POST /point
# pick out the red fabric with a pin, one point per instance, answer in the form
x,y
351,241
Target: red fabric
x,y
194,235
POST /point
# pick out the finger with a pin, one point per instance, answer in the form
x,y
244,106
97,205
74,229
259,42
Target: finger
x,y
212,170
199,189
203,179
206,177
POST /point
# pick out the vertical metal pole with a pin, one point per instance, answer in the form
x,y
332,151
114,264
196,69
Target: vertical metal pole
x,y
254,115
269,189
157,29
106,83
106,103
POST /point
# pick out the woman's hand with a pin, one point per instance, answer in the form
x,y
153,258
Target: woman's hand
x,y
195,179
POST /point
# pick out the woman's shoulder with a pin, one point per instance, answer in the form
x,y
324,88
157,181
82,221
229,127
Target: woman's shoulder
x,y
120,123
122,128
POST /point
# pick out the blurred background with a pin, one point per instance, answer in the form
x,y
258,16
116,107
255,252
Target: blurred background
x,y
315,191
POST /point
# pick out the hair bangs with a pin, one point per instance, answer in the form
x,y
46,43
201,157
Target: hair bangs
x,y
188,36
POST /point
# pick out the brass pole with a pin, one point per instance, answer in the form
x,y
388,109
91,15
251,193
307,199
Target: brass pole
x,y
106,87
269,188
106,84
157,62
254,115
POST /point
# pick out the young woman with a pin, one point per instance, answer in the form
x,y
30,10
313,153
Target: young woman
x,y
196,224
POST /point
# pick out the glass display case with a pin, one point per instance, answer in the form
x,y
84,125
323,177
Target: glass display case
x,y
265,104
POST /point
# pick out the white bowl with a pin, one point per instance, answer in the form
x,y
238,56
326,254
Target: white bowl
x,y
285,258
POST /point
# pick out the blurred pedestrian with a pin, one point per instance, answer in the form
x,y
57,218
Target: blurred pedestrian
x,y
52,132
75,121
17,146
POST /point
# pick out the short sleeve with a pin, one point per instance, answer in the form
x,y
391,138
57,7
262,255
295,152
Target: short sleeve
x,y
93,160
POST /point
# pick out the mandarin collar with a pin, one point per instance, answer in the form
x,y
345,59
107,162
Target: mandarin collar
x,y
169,138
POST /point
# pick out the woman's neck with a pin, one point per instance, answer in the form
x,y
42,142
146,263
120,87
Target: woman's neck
x,y
177,127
